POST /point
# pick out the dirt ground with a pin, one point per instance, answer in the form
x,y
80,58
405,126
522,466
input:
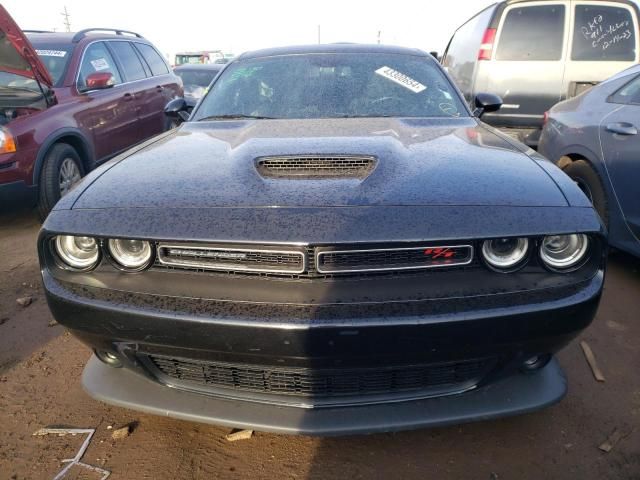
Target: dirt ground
x,y
40,367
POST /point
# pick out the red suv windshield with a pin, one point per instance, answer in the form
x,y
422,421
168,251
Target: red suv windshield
x,y
54,56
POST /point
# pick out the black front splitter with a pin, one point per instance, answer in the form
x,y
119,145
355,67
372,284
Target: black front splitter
x,y
521,393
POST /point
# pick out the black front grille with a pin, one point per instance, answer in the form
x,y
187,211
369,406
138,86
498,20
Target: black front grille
x,y
322,383
393,259
310,262
309,166
249,259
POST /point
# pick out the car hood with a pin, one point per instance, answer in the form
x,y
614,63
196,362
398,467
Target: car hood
x,y
418,162
17,55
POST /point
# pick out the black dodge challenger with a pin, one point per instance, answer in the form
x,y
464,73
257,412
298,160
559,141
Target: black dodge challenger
x,y
332,243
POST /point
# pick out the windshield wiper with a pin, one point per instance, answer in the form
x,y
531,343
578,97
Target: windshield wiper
x,y
366,116
235,116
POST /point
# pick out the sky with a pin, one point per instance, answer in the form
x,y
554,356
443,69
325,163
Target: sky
x,y
235,26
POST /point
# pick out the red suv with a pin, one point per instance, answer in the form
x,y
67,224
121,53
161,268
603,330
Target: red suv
x,y
70,101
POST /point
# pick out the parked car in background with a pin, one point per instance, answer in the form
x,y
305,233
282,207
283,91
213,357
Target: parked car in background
x,y
595,139
348,249
200,57
68,102
196,79
537,53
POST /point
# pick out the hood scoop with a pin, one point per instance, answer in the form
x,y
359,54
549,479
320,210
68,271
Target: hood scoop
x,y
316,166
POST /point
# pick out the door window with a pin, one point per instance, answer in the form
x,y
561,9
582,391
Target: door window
x,y
532,34
97,59
603,33
629,94
153,59
133,69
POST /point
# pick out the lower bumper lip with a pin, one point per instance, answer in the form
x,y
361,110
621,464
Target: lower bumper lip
x,y
510,396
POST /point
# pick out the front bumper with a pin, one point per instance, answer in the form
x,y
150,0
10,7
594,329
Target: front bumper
x,y
508,328
16,195
510,396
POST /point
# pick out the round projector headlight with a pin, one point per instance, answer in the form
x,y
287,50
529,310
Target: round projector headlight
x,y
80,253
564,251
505,253
131,254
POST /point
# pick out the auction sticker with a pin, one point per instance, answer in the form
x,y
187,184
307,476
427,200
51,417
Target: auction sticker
x,y
99,64
401,79
51,53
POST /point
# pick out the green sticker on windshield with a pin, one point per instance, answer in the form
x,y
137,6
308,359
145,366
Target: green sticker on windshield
x,y
244,72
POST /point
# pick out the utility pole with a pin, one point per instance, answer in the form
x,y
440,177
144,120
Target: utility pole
x,y
67,22
379,33
318,34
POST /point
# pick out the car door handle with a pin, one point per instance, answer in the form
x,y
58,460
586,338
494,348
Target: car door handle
x,y
128,97
622,128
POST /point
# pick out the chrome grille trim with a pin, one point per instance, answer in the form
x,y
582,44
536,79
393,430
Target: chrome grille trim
x,y
320,253
240,259
313,166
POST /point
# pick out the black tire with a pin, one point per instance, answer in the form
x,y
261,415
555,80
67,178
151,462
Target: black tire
x,y
50,190
590,183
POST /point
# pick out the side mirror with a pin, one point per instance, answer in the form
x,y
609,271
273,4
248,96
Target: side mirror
x,y
99,80
486,102
177,108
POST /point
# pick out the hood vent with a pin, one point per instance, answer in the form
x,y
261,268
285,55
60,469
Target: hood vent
x,y
316,166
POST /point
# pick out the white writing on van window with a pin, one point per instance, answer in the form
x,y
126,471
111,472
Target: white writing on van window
x,y
603,35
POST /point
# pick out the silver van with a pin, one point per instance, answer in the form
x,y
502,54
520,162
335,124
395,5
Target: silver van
x,y
536,53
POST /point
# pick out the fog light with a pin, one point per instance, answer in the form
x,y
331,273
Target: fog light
x,y
536,362
109,358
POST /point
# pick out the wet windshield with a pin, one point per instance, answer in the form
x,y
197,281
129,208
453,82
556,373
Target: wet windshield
x,y
55,58
195,81
332,86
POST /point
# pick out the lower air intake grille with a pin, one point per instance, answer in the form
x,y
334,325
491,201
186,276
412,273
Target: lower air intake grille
x,y
321,383
312,166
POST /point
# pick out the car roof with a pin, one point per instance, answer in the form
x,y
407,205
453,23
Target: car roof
x,y
332,48
77,37
624,73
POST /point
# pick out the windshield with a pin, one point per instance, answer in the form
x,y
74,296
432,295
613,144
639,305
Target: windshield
x,y
193,79
332,86
55,58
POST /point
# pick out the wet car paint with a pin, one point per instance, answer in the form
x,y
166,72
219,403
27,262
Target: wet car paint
x,y
435,180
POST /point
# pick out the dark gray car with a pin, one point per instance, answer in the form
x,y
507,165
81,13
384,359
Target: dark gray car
x,y
196,78
594,139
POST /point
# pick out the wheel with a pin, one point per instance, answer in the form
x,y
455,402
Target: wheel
x,y
590,183
61,171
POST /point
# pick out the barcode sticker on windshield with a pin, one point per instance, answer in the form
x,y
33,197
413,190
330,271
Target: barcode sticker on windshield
x,y
401,79
51,53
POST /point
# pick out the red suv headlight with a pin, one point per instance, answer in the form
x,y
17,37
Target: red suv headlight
x,y
7,143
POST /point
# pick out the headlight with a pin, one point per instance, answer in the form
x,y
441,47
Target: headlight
x,y
130,254
564,251
7,143
80,253
505,253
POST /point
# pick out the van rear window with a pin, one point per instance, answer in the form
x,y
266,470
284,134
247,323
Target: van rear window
x,y
603,33
533,33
